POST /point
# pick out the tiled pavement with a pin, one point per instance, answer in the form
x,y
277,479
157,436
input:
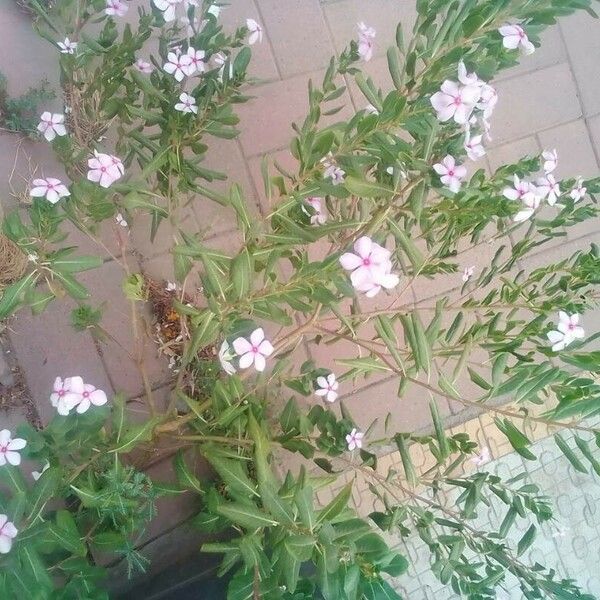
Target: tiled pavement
x,y
551,100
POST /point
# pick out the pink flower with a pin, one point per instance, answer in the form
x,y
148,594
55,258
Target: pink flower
x,y
482,458
254,350
105,169
52,125
65,394
179,65
88,396
9,447
548,188
455,101
474,147
187,104
332,170
527,193
197,58
115,8
450,173
371,267
328,387
67,47
143,67
8,532
568,330
514,36
318,217
366,41
50,188
255,31
550,160
354,439
578,192
468,273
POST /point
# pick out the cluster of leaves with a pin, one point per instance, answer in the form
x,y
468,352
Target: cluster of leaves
x,y
22,114
286,271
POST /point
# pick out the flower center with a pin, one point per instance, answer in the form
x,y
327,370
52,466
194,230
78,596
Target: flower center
x,y
86,394
571,327
61,393
366,261
457,100
255,349
103,169
451,172
3,449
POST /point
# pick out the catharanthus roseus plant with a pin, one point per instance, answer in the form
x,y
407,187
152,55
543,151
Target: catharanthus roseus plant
x,y
380,205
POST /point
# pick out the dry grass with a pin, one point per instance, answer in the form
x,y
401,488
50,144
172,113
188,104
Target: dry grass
x,y
12,262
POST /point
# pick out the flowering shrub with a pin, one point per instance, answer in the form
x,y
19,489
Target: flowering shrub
x,y
386,201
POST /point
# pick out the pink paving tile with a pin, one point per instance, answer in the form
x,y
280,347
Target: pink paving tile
x,y
383,15
47,347
234,15
266,120
298,33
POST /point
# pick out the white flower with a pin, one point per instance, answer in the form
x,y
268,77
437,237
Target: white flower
x,y
455,101
569,330
197,58
332,170
187,104
143,67
52,125
121,220
366,41
88,396
254,350
318,217
487,101
50,188
468,273
371,110
8,532
33,257
179,65
561,531
167,7
371,267
220,60
115,8
474,147
514,36
327,387
255,31
37,474
550,160
225,358
450,173
468,78
354,439
171,286
105,169
65,394
482,458
67,47
215,10
527,193
578,192
9,448
548,188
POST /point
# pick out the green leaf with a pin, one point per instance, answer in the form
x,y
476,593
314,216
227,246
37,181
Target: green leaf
x,y
204,333
43,491
136,434
33,565
377,589
300,546
242,268
517,440
393,58
304,502
14,293
336,506
74,264
409,469
526,540
246,515
369,91
367,189
569,454
233,474
185,477
439,430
